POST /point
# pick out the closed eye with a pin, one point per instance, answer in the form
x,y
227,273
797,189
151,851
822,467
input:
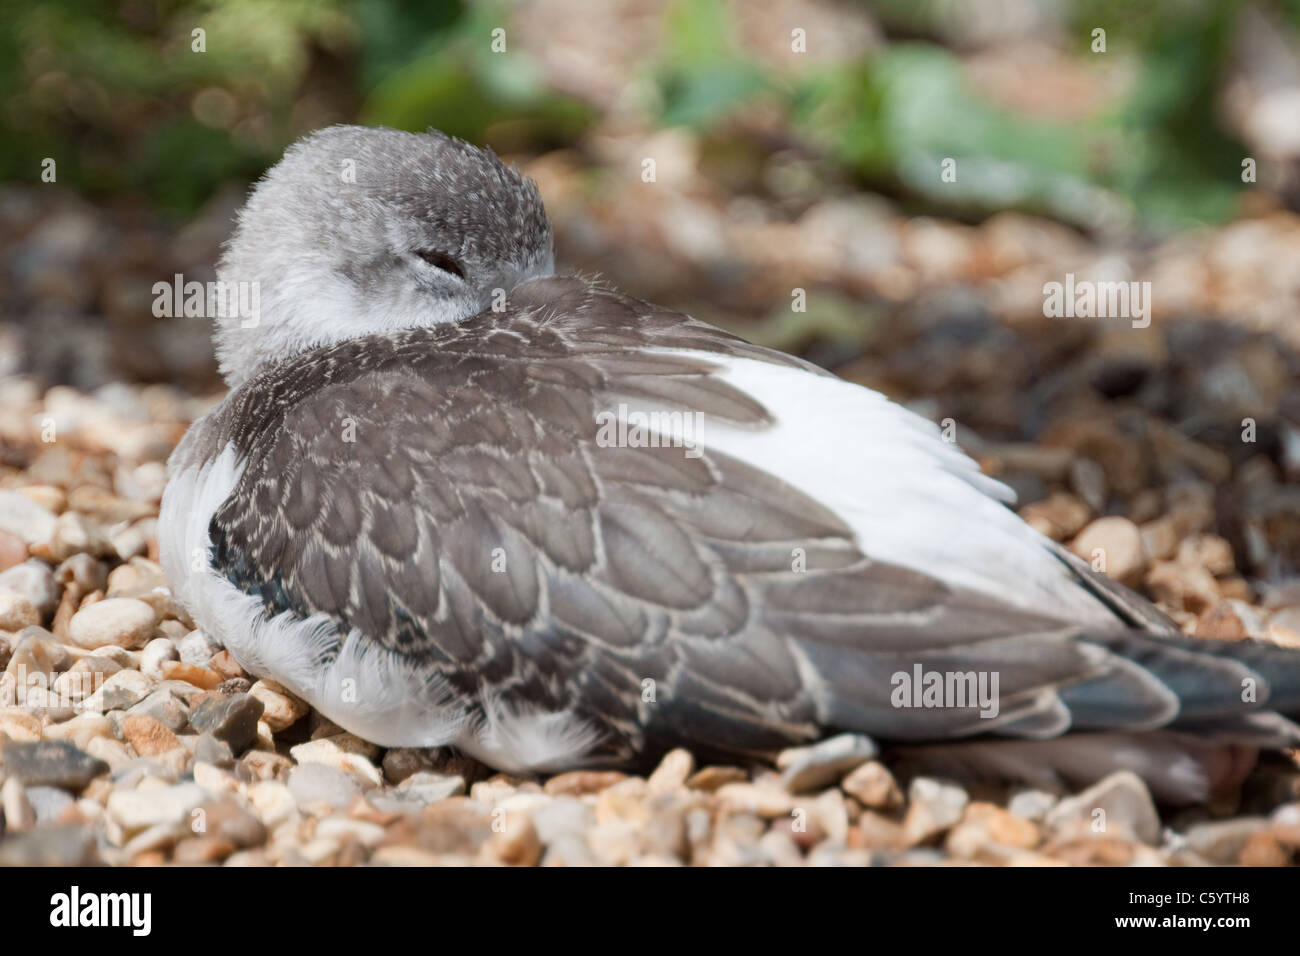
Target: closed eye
x,y
441,261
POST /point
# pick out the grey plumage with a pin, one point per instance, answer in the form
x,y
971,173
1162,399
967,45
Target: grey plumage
x,y
468,522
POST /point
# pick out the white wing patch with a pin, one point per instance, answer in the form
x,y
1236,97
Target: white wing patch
x,y
911,498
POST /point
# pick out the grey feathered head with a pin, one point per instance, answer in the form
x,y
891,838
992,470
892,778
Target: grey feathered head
x,y
358,230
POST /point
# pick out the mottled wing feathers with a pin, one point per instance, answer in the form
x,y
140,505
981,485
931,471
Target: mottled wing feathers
x,y
445,491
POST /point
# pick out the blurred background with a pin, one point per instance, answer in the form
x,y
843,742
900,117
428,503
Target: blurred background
x,y
797,146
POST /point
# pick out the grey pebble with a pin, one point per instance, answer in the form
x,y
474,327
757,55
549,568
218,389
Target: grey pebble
x,y
232,719
52,763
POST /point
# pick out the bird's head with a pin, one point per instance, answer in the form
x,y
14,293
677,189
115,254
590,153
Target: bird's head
x,y
359,230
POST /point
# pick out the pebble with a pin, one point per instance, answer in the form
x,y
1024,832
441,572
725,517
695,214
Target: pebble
x,y
517,843
709,779
75,533
17,808
35,581
156,653
1231,620
823,763
25,519
17,612
202,677
1032,805
112,752
319,783
328,751
49,803
1222,841
120,691
13,550
208,749
1129,811
51,764
36,652
281,708
148,735
194,851
873,786
144,807
163,706
124,622
232,719
1113,545
985,827
763,801
429,787
228,820
197,648
85,677
71,845
275,803
578,782
933,807
563,816
673,771
80,730
20,726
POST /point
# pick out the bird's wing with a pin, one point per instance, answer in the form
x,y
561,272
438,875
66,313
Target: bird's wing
x,y
448,493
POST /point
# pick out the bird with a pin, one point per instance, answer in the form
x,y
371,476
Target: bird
x,y
455,499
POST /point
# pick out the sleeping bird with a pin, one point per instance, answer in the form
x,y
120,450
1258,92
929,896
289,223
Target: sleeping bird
x,y
455,499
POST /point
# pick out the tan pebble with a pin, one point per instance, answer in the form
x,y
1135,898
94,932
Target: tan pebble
x,y
873,786
1284,627
1160,539
16,612
710,779
21,726
18,812
765,802
13,550
1112,545
202,849
85,677
516,843
366,833
112,752
225,664
673,771
877,832
191,674
214,779
121,621
1182,587
1060,516
75,533
1208,551
1236,588
272,801
1004,827
1263,849
80,730
578,782
265,765
51,497
282,707
148,735
1230,621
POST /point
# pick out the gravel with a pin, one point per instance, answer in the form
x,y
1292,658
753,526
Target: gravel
x,y
138,740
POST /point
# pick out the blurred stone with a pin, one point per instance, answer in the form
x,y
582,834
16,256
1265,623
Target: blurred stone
x,y
1113,545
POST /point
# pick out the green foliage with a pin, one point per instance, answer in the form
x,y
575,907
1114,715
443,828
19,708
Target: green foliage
x,y
453,80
